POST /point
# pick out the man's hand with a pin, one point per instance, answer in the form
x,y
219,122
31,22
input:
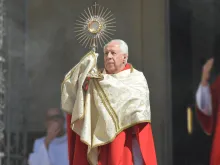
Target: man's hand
x,y
206,72
52,131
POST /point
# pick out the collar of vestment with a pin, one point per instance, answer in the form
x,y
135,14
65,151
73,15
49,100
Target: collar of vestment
x,y
127,66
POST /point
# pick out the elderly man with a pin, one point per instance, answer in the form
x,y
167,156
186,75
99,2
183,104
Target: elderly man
x,y
208,109
52,149
108,111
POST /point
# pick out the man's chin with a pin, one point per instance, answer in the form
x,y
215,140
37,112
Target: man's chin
x,y
110,70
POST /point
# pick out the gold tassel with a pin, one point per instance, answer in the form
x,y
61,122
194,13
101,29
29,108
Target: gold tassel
x,y
189,120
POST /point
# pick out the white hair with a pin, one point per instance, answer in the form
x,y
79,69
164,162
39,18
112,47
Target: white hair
x,y
123,45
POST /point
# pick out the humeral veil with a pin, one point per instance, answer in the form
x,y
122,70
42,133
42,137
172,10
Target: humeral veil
x,y
111,104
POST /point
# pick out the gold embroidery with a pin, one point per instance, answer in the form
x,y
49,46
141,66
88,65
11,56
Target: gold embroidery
x,y
120,130
107,104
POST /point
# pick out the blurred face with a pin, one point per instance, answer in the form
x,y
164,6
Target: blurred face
x,y
114,59
54,117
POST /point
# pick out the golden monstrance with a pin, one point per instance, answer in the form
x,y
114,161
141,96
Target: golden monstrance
x,y
95,26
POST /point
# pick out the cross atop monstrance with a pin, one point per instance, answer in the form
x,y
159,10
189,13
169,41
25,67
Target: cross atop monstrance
x,y
95,26
95,4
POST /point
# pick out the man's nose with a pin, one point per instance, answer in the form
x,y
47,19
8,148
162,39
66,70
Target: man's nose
x,y
109,55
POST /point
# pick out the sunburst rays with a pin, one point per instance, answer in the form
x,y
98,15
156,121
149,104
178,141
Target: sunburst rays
x,y
95,26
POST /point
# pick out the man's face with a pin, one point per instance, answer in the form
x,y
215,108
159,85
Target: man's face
x,y
114,59
54,117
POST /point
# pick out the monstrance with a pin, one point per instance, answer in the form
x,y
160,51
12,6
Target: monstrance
x,y
95,26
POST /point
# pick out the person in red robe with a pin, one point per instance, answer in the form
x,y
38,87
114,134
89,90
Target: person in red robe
x,y
133,145
208,109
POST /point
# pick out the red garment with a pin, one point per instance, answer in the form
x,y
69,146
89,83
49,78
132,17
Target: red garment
x,y
118,152
211,124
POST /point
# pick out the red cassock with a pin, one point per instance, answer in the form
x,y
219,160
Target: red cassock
x,y
211,124
119,151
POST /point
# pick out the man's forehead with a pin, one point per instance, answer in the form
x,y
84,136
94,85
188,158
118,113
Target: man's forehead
x,y
112,45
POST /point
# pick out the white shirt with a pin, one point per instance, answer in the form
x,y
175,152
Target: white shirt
x,y
57,153
203,99
136,151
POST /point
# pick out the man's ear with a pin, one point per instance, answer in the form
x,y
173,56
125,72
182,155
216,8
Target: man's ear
x,y
126,57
